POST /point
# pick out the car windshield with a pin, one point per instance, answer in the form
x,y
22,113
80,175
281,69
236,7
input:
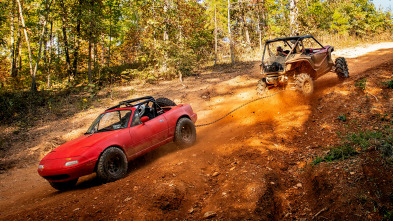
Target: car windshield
x,y
275,55
109,121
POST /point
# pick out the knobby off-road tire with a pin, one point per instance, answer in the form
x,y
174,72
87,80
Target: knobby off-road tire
x,y
341,68
185,133
112,165
63,186
304,84
262,89
165,102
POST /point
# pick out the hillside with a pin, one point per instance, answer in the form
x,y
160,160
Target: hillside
x,y
258,163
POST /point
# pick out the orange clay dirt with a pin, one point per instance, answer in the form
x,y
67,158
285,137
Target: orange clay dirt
x,y
253,164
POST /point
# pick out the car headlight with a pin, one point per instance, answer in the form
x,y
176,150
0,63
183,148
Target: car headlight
x,y
40,167
70,163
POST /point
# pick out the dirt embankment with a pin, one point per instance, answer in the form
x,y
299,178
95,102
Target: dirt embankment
x,y
253,164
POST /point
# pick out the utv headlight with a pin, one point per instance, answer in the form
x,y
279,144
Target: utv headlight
x,y
40,167
70,163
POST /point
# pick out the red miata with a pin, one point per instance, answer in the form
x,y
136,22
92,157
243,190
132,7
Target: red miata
x,y
118,135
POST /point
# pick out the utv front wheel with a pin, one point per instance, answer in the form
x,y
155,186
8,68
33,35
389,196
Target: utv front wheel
x,y
185,133
341,68
112,165
305,84
262,89
63,186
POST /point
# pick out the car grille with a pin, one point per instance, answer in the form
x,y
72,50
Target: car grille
x,y
57,177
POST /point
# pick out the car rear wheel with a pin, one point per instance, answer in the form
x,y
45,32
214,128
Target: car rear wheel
x,y
185,133
112,165
165,102
305,84
63,186
341,68
262,89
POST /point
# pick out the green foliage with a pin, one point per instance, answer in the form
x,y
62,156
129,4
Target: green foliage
x,y
364,139
336,153
361,84
17,106
84,104
340,22
342,118
388,84
160,38
388,215
382,140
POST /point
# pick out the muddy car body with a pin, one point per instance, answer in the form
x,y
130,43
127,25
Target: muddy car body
x,y
297,62
118,135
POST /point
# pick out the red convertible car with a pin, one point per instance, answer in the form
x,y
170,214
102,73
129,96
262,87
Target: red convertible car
x,y
118,135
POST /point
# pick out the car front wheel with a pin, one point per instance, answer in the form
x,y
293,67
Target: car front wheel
x,y
112,165
185,133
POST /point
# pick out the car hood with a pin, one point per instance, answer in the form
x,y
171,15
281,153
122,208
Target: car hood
x,y
79,145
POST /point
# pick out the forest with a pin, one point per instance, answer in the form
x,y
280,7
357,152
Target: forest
x,y
55,45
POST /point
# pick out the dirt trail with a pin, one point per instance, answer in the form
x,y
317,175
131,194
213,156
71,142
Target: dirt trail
x,y
253,164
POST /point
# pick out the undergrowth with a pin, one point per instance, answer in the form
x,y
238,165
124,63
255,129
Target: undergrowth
x,y
361,84
23,108
354,143
336,153
388,84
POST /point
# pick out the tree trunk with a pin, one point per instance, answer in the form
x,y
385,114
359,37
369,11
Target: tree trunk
x,y
48,4
110,36
165,37
49,83
77,41
12,34
293,17
89,76
18,52
95,52
259,33
103,49
32,74
89,64
215,33
230,33
65,39
245,26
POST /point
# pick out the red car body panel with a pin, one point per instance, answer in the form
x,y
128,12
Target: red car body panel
x,y
134,141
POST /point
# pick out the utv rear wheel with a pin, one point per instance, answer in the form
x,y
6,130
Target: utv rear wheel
x,y
112,165
165,102
262,89
185,133
305,84
341,68
63,186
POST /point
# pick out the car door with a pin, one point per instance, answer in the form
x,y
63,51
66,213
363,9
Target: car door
x,y
159,125
147,134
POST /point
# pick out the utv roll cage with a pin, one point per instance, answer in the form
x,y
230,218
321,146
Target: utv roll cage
x,y
291,42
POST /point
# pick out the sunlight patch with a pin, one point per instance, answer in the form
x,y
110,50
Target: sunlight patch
x,y
74,134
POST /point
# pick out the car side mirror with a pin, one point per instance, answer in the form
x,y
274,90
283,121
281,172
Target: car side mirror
x,y
144,119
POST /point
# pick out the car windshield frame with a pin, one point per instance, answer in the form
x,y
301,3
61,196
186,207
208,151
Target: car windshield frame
x,y
122,123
